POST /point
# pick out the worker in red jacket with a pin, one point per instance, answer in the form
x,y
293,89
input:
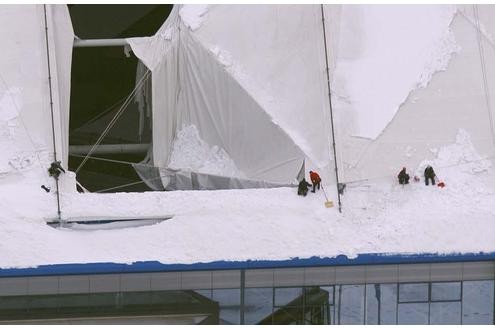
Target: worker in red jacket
x,y
315,179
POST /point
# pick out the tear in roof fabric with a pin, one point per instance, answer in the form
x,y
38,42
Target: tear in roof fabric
x,y
259,93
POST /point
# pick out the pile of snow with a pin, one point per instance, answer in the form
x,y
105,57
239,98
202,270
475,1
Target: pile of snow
x,y
193,15
385,53
379,216
191,153
461,157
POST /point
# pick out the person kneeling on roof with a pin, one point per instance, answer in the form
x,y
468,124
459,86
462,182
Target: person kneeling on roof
x,y
302,190
315,179
403,177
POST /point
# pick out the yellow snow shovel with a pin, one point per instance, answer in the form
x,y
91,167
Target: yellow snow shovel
x,y
328,203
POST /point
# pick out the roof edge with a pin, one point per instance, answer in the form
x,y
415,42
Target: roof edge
x,y
155,266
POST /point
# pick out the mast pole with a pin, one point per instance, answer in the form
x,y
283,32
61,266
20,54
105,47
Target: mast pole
x,y
331,111
59,213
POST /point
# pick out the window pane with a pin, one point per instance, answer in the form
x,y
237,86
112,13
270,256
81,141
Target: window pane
x,y
445,313
284,296
204,292
136,299
14,303
229,301
373,299
103,301
381,300
477,302
76,303
258,304
329,289
413,313
75,300
352,304
446,291
413,292
43,304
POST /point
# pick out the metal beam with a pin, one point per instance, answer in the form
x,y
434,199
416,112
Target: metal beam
x,y
110,149
79,43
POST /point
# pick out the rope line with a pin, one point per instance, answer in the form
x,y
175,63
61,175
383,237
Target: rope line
x,y
440,167
483,34
111,160
97,116
346,182
114,119
127,185
483,69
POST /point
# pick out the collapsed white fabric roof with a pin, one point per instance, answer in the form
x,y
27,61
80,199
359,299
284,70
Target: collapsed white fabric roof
x,y
269,120
260,93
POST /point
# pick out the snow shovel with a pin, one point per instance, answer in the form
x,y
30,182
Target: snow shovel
x,y
328,203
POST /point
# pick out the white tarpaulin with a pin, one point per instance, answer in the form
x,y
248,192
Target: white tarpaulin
x,y
394,70
192,86
26,137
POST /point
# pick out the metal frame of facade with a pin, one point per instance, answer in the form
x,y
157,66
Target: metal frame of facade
x,y
66,279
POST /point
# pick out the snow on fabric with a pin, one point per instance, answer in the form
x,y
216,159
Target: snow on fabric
x,y
193,15
386,52
280,62
379,217
191,153
26,137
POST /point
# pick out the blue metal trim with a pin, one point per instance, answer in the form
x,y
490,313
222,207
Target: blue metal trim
x,y
154,266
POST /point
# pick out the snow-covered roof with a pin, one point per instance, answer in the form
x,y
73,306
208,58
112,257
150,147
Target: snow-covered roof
x,y
379,216
446,124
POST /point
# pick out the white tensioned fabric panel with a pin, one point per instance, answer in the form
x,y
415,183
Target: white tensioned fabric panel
x,y
164,97
160,54
276,52
431,117
228,116
61,39
25,121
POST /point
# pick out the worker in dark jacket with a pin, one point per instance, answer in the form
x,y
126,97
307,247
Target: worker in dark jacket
x,y
56,169
302,190
315,179
429,174
403,177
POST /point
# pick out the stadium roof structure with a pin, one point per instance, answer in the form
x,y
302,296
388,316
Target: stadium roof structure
x,y
236,107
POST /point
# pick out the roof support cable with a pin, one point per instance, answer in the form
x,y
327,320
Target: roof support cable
x,y
339,188
114,119
59,213
483,70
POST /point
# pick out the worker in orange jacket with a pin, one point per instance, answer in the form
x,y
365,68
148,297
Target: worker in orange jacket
x,y
315,179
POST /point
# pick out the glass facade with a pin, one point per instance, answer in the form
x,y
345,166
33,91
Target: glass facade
x,y
459,302
323,295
